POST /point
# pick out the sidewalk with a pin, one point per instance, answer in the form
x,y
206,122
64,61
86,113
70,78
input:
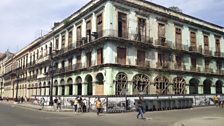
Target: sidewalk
x,y
37,107
204,116
202,121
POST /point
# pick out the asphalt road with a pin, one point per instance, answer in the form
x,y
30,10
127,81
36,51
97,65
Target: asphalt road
x,y
15,115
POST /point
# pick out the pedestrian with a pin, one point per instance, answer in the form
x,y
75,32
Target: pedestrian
x,y
42,101
59,103
216,100
140,108
22,99
98,106
55,103
75,104
220,100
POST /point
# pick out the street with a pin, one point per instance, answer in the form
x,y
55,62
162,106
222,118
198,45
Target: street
x,y
16,115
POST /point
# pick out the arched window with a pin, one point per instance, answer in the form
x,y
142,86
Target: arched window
x,y
207,86
140,84
79,84
89,82
121,84
162,84
193,86
218,86
179,85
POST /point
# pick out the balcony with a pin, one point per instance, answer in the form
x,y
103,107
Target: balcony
x,y
40,60
208,52
193,48
161,42
164,65
143,64
193,68
207,70
219,71
178,67
179,46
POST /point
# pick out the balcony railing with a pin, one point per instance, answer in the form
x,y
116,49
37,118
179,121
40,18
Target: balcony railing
x,y
164,65
193,48
178,67
69,68
179,46
193,68
207,52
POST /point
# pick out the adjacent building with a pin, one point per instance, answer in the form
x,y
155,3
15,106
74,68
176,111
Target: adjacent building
x,y
121,47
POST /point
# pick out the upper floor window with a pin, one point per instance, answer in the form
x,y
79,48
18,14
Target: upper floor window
x,y
100,56
178,37
63,41
141,29
100,25
88,31
121,55
79,36
78,62
140,58
217,44
56,43
161,34
88,59
193,39
70,33
122,25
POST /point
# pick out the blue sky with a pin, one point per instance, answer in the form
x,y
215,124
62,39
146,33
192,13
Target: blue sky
x,y
22,21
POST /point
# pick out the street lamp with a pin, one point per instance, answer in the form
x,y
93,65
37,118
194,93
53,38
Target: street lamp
x,y
51,71
17,87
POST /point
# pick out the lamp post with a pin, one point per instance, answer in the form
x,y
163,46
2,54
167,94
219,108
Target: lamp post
x,y
51,71
17,87
1,82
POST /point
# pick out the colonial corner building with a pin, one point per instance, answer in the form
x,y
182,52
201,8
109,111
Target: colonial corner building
x,y
120,47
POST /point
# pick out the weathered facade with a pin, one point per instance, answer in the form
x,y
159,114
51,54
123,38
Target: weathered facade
x,y
128,47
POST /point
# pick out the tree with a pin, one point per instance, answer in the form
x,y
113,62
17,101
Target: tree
x,y
175,8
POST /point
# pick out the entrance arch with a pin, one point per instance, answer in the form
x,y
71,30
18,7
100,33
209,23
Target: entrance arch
x,y
79,85
100,84
62,87
193,86
55,88
218,87
70,86
121,86
162,84
179,85
207,86
89,81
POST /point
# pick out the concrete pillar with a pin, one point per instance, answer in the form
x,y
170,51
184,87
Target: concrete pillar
x,y
130,88
94,87
200,89
54,90
59,90
67,90
84,89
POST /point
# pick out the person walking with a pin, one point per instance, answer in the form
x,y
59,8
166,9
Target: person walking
x,y
59,103
98,106
75,104
140,108
216,100
42,101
